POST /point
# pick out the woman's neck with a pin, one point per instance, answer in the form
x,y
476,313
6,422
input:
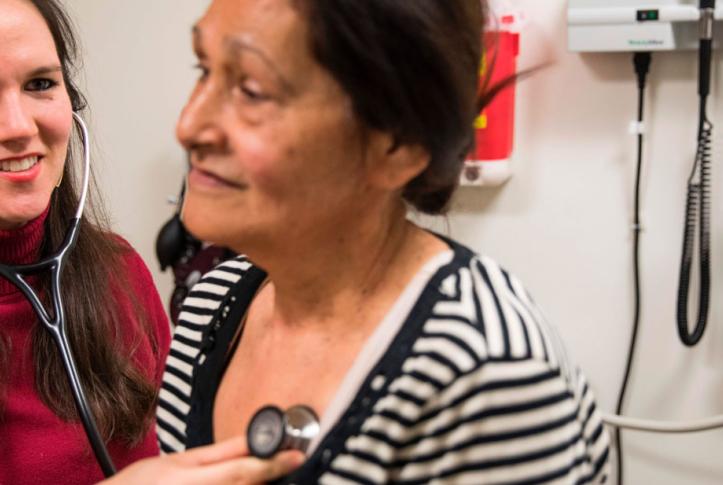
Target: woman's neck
x,y
349,274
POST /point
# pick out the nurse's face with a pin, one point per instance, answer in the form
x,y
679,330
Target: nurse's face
x,y
35,114
275,149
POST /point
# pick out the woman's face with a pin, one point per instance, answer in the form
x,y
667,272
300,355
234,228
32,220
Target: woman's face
x,y
275,149
35,114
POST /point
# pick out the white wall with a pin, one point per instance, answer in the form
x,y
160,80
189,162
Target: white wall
x,y
562,223
138,72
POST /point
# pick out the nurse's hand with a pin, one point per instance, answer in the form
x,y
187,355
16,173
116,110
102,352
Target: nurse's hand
x,y
227,462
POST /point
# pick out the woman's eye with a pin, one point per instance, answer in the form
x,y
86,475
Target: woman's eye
x,y
40,84
252,91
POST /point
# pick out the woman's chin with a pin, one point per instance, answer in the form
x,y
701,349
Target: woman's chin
x,y
205,227
16,218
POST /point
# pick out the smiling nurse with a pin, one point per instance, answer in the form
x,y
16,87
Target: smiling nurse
x,y
117,327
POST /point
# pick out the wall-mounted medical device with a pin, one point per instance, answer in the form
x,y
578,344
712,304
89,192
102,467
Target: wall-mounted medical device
x,y
646,25
641,27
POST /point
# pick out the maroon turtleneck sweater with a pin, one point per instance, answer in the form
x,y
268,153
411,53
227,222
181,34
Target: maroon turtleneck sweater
x,y
37,447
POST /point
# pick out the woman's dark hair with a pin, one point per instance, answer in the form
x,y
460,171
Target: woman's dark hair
x,y
411,68
122,397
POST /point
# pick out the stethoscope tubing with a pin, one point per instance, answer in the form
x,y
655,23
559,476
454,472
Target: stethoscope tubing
x,y
54,264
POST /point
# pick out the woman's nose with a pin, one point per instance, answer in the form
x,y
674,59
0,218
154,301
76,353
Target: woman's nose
x,y
200,120
17,123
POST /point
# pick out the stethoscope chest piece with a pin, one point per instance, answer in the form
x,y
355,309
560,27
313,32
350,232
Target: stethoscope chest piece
x,y
272,430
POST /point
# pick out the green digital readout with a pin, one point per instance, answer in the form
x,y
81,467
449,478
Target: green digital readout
x,y
648,15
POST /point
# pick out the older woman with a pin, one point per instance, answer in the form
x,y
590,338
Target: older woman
x,y
116,323
313,126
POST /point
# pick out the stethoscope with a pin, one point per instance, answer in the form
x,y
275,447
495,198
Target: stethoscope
x,y
272,430
56,324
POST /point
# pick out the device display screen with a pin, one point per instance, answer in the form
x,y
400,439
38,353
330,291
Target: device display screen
x,y
647,15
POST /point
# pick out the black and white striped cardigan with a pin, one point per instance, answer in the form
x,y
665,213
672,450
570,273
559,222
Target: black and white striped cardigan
x,y
475,388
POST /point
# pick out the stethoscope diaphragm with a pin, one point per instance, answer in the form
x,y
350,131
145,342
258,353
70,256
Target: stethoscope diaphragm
x,y
272,430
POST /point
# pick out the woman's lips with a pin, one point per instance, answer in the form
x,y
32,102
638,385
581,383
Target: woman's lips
x,y
201,178
21,170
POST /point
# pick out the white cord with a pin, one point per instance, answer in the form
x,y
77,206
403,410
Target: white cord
x,y
662,426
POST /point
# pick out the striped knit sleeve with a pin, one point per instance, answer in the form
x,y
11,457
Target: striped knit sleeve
x,y
504,422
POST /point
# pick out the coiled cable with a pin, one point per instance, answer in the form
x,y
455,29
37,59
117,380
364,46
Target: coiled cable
x,y
697,213
697,206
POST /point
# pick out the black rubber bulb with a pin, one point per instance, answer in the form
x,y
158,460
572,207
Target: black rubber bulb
x,y
170,242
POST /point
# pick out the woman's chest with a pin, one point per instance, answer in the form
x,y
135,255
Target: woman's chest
x,y
297,372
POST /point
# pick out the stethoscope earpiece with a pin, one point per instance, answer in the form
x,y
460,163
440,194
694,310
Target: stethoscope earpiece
x,y
272,430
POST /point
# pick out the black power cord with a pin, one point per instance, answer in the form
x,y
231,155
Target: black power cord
x,y
641,61
697,209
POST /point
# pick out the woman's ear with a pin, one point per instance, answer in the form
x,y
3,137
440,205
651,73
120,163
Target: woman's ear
x,y
392,165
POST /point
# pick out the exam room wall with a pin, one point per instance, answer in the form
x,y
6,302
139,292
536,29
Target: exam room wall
x,y
562,223
137,73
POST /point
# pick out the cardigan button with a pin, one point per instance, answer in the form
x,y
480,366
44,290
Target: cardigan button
x,y
326,456
193,278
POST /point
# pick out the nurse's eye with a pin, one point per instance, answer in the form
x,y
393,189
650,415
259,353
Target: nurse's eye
x,y
202,71
40,84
